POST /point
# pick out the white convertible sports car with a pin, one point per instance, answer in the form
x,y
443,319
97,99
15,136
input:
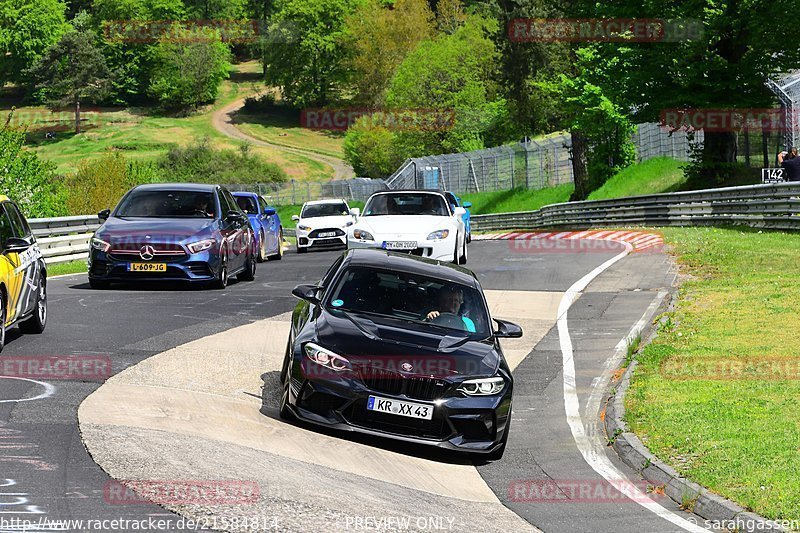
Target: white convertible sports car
x,y
420,222
323,223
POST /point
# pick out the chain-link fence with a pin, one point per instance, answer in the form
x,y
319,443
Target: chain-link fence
x,y
298,192
787,88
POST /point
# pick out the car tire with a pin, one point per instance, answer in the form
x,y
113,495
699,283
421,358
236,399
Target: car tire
x,y
463,260
249,272
469,237
36,323
98,284
301,250
262,250
2,320
286,412
279,255
456,255
222,278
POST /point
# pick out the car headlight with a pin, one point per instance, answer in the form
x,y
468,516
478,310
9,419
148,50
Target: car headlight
x,y
303,227
199,246
326,358
439,235
482,386
363,235
100,244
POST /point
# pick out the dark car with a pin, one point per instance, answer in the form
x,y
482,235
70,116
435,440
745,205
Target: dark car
x,y
178,232
398,346
266,225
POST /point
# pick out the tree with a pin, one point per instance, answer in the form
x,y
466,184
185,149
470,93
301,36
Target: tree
x,y
381,37
305,52
188,68
370,149
72,71
27,29
28,180
453,73
449,15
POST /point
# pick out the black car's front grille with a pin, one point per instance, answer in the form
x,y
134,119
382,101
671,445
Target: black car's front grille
x,y
336,232
358,415
134,257
396,383
327,242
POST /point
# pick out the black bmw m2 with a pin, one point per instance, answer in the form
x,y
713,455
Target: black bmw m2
x,y
402,347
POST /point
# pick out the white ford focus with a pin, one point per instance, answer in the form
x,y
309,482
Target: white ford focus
x,y
420,222
323,223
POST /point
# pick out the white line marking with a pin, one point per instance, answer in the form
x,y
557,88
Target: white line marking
x,y
49,390
599,462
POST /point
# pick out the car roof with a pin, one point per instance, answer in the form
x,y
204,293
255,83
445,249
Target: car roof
x,y
205,187
402,262
326,201
244,193
430,191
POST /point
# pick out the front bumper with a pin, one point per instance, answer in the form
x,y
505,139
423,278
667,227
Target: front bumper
x,y
443,250
308,239
200,267
474,424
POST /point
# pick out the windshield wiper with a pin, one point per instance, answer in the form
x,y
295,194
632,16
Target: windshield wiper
x,y
365,325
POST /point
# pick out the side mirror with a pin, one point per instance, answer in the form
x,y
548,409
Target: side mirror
x,y
460,211
269,211
296,218
104,214
16,245
307,293
467,205
356,212
234,216
507,330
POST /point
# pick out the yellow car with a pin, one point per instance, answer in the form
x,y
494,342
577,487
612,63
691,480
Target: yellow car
x,y
23,274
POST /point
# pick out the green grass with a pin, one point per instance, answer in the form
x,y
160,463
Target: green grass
x,y
733,429
70,267
516,199
661,174
145,134
284,129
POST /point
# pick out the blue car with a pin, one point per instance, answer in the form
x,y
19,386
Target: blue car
x,y
265,223
455,201
176,232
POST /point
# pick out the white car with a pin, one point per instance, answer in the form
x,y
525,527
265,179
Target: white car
x,y
323,224
420,222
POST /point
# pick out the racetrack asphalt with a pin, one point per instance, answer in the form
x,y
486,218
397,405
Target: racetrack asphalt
x,y
42,454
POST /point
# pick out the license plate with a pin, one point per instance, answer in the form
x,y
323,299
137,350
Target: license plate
x,y
147,267
327,234
398,407
399,245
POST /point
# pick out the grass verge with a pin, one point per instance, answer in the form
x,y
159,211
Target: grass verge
x,y
70,267
516,199
716,392
657,175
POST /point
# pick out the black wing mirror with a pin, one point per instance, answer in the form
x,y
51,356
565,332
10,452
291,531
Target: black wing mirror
x,y
308,293
16,245
507,330
104,214
234,216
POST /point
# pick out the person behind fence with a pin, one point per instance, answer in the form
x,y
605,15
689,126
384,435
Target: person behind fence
x,y
791,165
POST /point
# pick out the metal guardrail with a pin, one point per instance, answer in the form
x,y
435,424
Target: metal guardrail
x,y
774,206
64,238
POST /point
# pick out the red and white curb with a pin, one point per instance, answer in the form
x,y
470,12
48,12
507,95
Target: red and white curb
x,y
639,240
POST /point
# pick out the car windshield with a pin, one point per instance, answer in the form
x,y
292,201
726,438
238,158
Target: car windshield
x,y
324,210
412,298
166,203
248,204
406,204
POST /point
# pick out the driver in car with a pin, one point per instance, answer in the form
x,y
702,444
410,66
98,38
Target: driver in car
x,y
450,300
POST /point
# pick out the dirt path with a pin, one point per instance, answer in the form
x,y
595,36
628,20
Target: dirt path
x,y
224,121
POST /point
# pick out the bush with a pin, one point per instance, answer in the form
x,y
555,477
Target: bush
x,y
26,179
100,183
371,150
202,164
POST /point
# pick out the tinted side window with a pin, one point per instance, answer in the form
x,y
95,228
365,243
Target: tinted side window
x,y
223,203
5,226
18,224
262,203
326,279
231,200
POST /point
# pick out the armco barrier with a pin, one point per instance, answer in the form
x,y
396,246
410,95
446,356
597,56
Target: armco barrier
x,y
64,238
774,206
